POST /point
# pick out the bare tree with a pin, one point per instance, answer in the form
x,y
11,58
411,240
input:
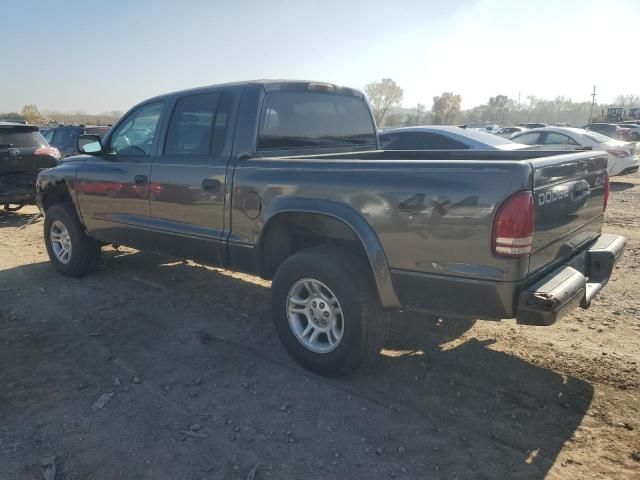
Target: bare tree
x,y
420,113
628,101
32,115
418,116
498,103
382,96
446,108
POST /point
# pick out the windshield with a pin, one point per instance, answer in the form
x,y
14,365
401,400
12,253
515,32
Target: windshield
x,y
480,136
65,136
597,137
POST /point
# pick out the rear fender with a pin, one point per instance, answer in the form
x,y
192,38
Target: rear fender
x,y
352,219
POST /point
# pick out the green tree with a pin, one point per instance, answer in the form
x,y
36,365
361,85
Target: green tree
x,y
383,95
446,108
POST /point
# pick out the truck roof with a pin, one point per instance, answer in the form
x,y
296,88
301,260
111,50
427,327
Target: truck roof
x,y
269,85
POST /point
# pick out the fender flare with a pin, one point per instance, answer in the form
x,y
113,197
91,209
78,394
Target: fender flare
x,y
352,219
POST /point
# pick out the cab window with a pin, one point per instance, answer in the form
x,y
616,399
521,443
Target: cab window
x,y
198,126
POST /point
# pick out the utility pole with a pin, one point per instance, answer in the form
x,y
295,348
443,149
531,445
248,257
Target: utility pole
x,y
593,101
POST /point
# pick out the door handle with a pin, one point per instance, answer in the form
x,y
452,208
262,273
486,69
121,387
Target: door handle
x,y
211,185
140,179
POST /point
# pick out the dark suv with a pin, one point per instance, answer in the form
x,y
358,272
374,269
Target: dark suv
x,y
65,137
23,153
610,130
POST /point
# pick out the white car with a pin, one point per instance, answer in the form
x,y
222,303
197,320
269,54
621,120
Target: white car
x,y
622,155
444,137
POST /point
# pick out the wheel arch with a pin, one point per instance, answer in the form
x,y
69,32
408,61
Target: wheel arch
x,y
50,193
330,220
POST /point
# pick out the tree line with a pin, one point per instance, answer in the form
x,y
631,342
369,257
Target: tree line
x,y
32,115
385,97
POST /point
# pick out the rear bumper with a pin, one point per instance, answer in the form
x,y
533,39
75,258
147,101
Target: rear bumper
x,y
539,301
571,285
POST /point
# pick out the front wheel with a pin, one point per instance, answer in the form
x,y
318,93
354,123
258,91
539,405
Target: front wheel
x,y
326,312
70,250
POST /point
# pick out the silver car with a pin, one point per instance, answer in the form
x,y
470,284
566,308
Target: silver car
x,y
440,137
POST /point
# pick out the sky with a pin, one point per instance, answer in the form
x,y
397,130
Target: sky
x,y
94,57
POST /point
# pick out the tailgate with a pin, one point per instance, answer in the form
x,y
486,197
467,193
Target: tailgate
x,y
569,205
18,161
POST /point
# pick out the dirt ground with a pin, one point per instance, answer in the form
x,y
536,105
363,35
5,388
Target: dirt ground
x,y
163,369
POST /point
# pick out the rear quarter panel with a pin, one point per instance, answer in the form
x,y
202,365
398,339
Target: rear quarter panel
x,y
430,216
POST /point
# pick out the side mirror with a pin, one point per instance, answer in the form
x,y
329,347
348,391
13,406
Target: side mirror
x,y
89,144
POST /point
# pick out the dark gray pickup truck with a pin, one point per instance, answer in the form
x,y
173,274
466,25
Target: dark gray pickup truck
x,y
285,180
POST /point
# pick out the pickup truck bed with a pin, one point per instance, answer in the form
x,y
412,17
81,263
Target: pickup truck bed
x,y
287,183
432,216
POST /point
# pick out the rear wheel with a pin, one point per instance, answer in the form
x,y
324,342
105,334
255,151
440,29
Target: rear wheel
x,y
70,250
326,312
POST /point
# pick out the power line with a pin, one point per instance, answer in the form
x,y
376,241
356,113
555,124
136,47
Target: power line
x,y
593,101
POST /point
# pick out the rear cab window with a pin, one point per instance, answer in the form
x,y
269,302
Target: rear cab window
x,y
314,120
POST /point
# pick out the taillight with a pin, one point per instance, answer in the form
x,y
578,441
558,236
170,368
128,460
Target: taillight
x,y
513,227
618,153
607,189
50,151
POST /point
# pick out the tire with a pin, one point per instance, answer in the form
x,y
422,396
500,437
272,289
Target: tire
x,y
347,278
84,251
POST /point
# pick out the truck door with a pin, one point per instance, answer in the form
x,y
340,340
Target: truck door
x,y
113,188
188,178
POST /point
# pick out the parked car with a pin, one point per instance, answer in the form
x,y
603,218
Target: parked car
x,y
284,180
437,137
622,155
506,132
23,153
65,137
610,130
634,130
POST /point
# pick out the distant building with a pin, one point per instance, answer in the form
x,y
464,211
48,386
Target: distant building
x,y
616,114
634,113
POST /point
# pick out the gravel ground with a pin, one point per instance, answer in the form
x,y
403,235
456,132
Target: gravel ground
x,y
163,369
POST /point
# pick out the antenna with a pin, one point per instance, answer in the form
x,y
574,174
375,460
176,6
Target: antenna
x,y
593,101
